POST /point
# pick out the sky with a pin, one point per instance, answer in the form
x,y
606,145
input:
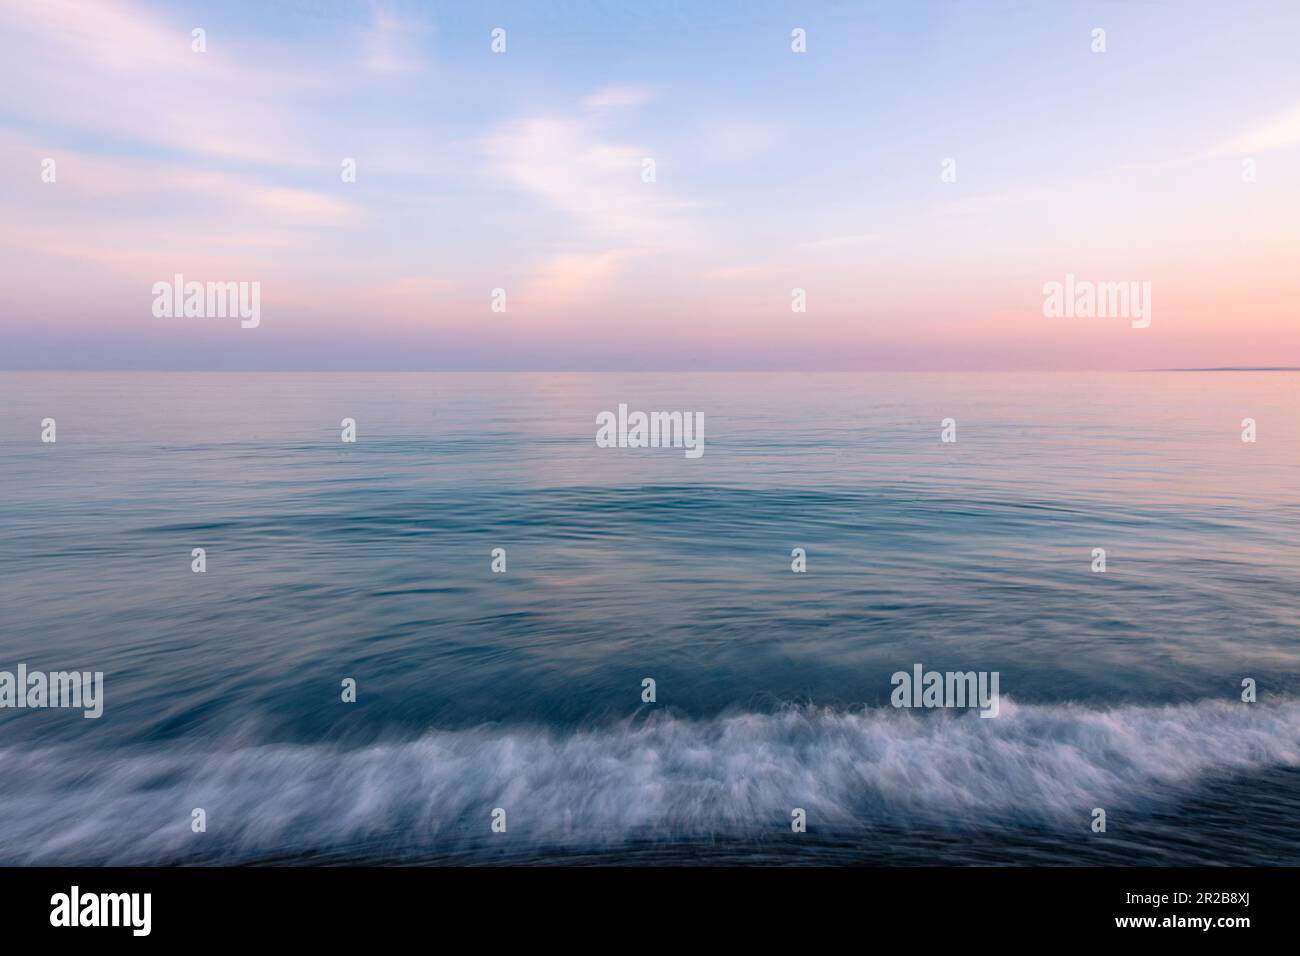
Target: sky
x,y
774,170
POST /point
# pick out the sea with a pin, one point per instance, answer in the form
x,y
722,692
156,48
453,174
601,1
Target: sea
x,y
562,653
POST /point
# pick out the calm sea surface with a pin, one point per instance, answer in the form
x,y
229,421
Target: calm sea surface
x,y
522,690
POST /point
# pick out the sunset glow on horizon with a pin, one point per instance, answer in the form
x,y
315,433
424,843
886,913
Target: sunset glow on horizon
x,y
960,166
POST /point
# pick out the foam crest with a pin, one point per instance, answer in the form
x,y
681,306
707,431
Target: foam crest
x,y
660,780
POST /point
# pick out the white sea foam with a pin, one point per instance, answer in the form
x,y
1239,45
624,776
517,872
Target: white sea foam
x,y
659,780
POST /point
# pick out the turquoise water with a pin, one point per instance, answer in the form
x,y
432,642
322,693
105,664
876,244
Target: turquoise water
x,y
523,690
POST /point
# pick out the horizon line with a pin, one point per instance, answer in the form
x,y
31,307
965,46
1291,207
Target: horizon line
x,y
657,371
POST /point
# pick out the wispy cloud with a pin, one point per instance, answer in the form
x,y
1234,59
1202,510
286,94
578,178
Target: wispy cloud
x,y
617,98
738,141
391,45
567,280
571,166
568,165
136,79
1275,132
138,213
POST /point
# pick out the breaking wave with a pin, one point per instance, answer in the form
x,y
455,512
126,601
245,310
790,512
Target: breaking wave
x,y
658,780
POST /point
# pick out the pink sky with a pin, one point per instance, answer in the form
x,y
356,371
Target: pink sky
x,y
775,171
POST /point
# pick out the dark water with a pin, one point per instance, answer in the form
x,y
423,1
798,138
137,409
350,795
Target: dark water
x,y
522,690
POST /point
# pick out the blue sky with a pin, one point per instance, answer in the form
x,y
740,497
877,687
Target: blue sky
x,y
774,170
